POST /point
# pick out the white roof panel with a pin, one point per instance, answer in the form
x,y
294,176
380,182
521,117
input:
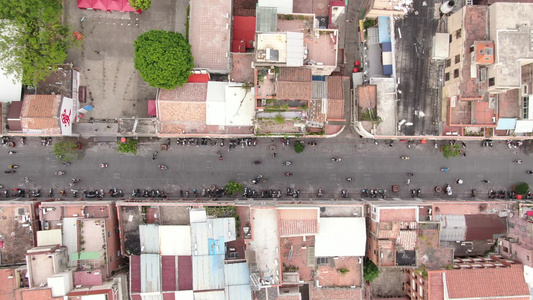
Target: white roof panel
x,y
175,240
341,237
295,49
240,106
197,215
215,91
70,238
241,292
183,295
283,6
149,235
524,126
49,237
215,113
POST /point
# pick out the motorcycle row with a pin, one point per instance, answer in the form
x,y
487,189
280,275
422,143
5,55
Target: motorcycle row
x,y
215,142
373,193
501,194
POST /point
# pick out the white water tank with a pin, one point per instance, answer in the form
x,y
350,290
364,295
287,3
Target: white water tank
x,y
447,7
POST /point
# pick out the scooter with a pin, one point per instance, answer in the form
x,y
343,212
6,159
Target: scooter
x,y
344,194
473,193
288,174
529,172
13,166
335,159
444,169
349,179
51,193
518,161
10,171
66,163
60,173
404,157
163,167
319,193
287,163
104,165
257,162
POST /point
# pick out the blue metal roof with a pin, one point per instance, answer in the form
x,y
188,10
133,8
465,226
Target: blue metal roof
x,y
386,47
216,246
387,70
383,26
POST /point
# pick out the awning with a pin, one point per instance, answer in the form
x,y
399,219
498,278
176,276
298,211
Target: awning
x,y
524,126
85,4
506,124
100,4
152,108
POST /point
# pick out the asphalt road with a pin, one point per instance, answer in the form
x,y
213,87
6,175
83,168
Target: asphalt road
x,y
371,166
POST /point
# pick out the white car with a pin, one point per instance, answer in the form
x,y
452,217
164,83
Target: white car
x,y
448,190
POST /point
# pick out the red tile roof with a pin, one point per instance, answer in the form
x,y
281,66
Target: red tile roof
x,y
335,88
41,112
483,283
297,221
38,294
295,74
287,90
88,278
436,286
168,273
8,286
196,92
243,32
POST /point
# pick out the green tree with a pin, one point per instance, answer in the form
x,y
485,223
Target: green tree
x,y
128,146
299,147
521,189
279,119
370,270
163,58
33,40
233,187
140,4
451,151
65,150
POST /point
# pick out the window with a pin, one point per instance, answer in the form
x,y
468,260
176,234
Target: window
x,y
455,73
448,62
471,49
488,51
526,113
492,81
447,76
375,252
451,38
108,233
118,253
458,34
457,58
111,258
527,256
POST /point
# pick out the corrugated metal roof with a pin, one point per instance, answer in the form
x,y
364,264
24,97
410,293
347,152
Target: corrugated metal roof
x,y
199,238
453,227
150,273
86,255
70,238
484,226
222,228
149,235
236,274
267,19
208,272
212,295
241,292
295,49
184,295
320,90
175,240
152,297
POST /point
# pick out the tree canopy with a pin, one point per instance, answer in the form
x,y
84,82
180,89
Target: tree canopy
x,y
163,58
32,38
451,151
370,270
65,150
127,147
140,4
233,187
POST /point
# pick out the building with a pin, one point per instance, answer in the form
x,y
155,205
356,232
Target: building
x,y
211,41
296,251
195,268
18,225
89,232
486,72
489,277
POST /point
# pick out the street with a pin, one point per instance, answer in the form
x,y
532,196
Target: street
x,y
371,167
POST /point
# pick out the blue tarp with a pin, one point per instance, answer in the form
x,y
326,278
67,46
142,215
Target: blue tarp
x,y
386,47
387,70
216,247
383,26
319,78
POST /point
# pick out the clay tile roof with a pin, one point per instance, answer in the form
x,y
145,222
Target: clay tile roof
x,y
287,90
436,288
7,289
295,74
196,92
485,283
40,112
297,221
181,111
335,88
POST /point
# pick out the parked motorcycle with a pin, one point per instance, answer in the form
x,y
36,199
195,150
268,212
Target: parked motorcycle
x,y
335,159
163,167
13,166
257,162
404,157
319,193
104,165
60,173
288,174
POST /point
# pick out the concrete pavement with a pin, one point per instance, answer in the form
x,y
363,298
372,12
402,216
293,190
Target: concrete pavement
x,y
371,166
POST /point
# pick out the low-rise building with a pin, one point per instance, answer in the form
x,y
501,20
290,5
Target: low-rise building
x,y
490,277
18,227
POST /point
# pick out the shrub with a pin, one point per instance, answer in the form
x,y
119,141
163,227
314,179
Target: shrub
x,y
299,147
